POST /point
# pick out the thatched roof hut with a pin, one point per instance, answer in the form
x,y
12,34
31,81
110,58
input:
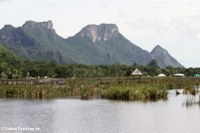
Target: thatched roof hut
x,y
136,72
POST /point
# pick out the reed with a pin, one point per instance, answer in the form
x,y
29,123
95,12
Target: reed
x,y
32,91
134,92
121,88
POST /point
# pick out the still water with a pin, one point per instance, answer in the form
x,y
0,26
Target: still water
x,y
100,116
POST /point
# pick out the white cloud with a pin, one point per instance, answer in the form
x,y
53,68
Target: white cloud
x,y
198,36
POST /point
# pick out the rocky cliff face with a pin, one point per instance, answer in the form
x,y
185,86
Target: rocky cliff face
x,y
6,35
98,33
31,25
104,44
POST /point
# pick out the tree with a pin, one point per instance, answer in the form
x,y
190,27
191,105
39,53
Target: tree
x,y
153,63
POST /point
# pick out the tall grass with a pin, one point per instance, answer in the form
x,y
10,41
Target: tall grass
x,y
134,92
32,91
111,88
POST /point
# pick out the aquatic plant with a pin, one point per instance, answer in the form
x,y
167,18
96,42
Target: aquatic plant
x,y
121,88
134,92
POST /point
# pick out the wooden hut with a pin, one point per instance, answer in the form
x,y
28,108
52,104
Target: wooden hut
x,y
136,73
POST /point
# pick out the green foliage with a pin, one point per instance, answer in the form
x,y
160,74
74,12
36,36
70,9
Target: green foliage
x,y
12,66
135,92
153,63
9,64
120,88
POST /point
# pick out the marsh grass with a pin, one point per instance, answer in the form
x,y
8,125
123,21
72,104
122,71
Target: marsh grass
x,y
134,92
33,91
111,88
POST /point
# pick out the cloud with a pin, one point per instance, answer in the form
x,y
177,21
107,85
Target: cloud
x,y
173,24
4,0
198,36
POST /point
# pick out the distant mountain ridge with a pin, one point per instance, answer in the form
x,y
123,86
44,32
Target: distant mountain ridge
x,y
22,43
95,44
103,44
163,58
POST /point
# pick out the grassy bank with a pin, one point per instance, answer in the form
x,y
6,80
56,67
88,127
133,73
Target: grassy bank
x,y
109,88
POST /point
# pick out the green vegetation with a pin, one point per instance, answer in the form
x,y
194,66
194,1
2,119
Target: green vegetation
x,y
9,64
41,68
31,91
12,67
134,92
88,81
110,88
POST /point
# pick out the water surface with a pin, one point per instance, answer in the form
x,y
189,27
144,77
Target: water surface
x,y
101,116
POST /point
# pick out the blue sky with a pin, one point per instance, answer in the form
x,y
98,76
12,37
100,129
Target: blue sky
x,y
173,24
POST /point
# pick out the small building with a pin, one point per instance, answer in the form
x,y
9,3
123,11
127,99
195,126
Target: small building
x,y
161,75
136,73
179,75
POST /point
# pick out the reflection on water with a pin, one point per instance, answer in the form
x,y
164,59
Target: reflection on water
x,y
99,116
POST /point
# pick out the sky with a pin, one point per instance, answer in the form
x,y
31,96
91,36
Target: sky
x,y
172,24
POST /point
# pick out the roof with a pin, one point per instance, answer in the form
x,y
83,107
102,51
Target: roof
x,y
196,75
136,72
161,75
179,75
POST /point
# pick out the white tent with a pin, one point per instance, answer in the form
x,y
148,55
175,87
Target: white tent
x,y
179,75
161,75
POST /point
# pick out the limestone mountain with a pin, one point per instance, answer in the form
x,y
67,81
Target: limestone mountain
x,y
104,44
23,44
44,33
16,37
94,44
163,58
50,41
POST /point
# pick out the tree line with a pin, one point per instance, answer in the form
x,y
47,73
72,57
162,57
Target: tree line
x,y
22,69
